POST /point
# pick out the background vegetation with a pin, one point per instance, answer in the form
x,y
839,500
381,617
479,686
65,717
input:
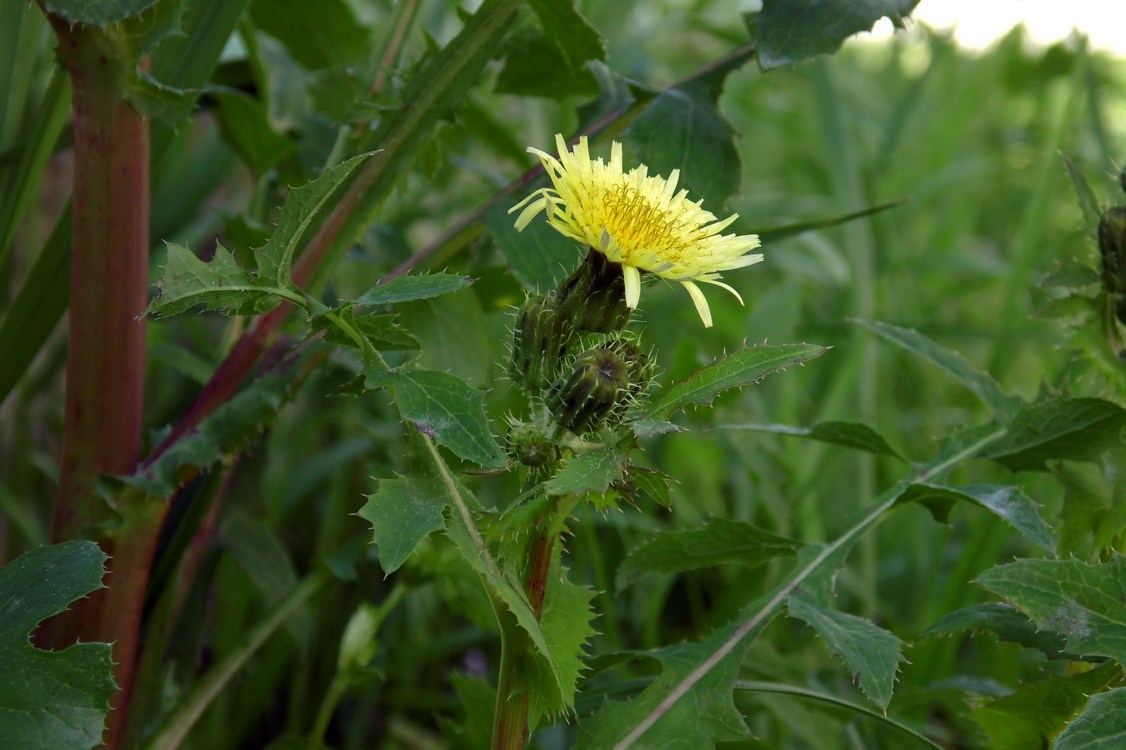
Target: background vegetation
x,y
263,615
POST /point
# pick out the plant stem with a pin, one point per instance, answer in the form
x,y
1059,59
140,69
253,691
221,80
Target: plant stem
x,y
510,726
106,345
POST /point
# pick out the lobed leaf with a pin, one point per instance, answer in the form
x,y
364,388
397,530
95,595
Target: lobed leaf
x,y
789,31
871,654
1085,604
720,541
96,12
51,699
742,368
592,471
1010,504
1003,620
447,409
403,512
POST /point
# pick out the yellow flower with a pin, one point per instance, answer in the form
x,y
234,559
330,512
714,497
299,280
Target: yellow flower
x,y
637,221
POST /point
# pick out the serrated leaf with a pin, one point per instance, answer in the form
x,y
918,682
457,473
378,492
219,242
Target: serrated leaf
x,y
223,285
225,431
159,21
654,484
871,654
1099,726
1006,622
403,512
566,624
1007,502
701,717
789,31
592,471
444,407
411,288
849,434
742,368
383,333
1035,713
719,542
1080,429
953,363
51,699
96,12
1088,203
1086,604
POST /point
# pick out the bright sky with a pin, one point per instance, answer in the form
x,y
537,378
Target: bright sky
x,y
979,22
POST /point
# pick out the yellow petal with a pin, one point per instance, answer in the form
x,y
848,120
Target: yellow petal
x,y
701,303
632,278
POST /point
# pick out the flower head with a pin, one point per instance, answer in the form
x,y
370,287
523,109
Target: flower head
x,y
637,221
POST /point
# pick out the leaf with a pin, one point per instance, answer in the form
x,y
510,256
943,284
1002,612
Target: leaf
x,y
719,542
51,699
409,288
539,256
1003,620
683,129
576,39
444,407
744,367
403,512
222,433
871,654
1086,604
953,363
1010,504
789,31
1088,203
223,285
246,127
1100,726
1035,713
704,715
592,471
383,333
96,12
1080,429
537,66
849,434
318,35
566,624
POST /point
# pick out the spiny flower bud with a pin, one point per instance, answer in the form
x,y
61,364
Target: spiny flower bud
x,y
1112,245
539,343
593,298
532,443
638,364
585,396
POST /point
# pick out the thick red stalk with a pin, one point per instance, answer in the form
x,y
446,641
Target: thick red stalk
x,y
106,344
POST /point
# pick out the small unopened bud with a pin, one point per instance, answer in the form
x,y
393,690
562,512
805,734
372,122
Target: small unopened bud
x,y
539,343
593,298
532,443
583,398
1112,245
638,364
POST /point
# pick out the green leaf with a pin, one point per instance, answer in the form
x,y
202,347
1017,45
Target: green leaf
x,y
1035,713
704,715
318,35
539,256
402,513
871,654
789,31
444,407
1008,503
1080,429
156,23
1088,203
849,434
51,699
954,364
744,367
246,127
411,288
223,285
536,66
719,542
383,333
575,38
224,432
1005,621
1100,726
1086,604
566,624
96,12
592,471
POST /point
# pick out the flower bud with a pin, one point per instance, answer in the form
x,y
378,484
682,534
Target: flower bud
x,y
583,398
539,343
532,443
593,298
1112,245
638,364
